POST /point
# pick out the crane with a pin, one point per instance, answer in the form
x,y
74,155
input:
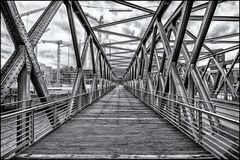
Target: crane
x,y
32,11
99,21
60,43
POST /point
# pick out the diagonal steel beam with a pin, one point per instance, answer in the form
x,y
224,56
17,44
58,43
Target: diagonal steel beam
x,y
119,59
120,42
114,53
152,49
120,63
228,73
120,48
232,48
201,40
216,18
196,51
173,56
79,81
94,70
73,33
172,18
158,14
123,21
117,34
223,37
203,89
15,24
135,6
83,20
225,77
202,32
212,55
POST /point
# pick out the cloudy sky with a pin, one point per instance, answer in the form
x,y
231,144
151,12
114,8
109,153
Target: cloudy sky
x,y
59,27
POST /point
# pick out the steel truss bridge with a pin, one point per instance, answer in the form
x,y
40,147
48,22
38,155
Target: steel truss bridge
x,y
168,106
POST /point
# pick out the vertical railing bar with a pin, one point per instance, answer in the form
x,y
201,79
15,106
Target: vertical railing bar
x,y
179,113
55,115
199,123
33,137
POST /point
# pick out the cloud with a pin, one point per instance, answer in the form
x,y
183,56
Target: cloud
x,y
59,27
222,28
63,26
47,54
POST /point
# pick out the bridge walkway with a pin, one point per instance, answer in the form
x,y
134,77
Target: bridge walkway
x,y
116,126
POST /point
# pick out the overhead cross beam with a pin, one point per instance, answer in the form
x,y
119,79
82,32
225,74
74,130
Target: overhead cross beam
x,y
117,34
123,21
134,6
121,42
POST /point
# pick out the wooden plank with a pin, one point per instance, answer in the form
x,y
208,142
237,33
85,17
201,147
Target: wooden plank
x,y
105,156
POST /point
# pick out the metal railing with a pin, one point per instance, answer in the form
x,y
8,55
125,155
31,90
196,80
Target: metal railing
x,y
13,106
216,132
22,128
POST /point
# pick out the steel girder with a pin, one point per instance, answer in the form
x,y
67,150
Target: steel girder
x,y
21,40
123,21
110,54
117,34
184,78
120,42
166,65
25,42
82,18
135,6
223,71
23,64
119,48
91,40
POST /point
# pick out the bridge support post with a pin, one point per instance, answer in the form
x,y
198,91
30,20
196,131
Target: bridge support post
x,y
23,120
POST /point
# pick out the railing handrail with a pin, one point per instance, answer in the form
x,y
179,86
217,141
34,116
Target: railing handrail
x,y
27,100
217,132
198,99
46,104
57,113
189,106
37,98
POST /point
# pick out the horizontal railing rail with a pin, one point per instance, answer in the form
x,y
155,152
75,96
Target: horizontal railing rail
x,y
22,128
227,108
11,107
216,132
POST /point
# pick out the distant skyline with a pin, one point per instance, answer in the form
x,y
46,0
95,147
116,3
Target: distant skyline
x,y
59,27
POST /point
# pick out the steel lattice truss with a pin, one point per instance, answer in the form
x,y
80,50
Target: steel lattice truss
x,y
160,65
169,70
23,65
176,70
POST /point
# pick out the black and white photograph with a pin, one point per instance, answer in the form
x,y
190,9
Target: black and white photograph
x,y
120,79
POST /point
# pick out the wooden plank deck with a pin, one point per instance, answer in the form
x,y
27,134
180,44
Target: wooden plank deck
x,y
116,126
